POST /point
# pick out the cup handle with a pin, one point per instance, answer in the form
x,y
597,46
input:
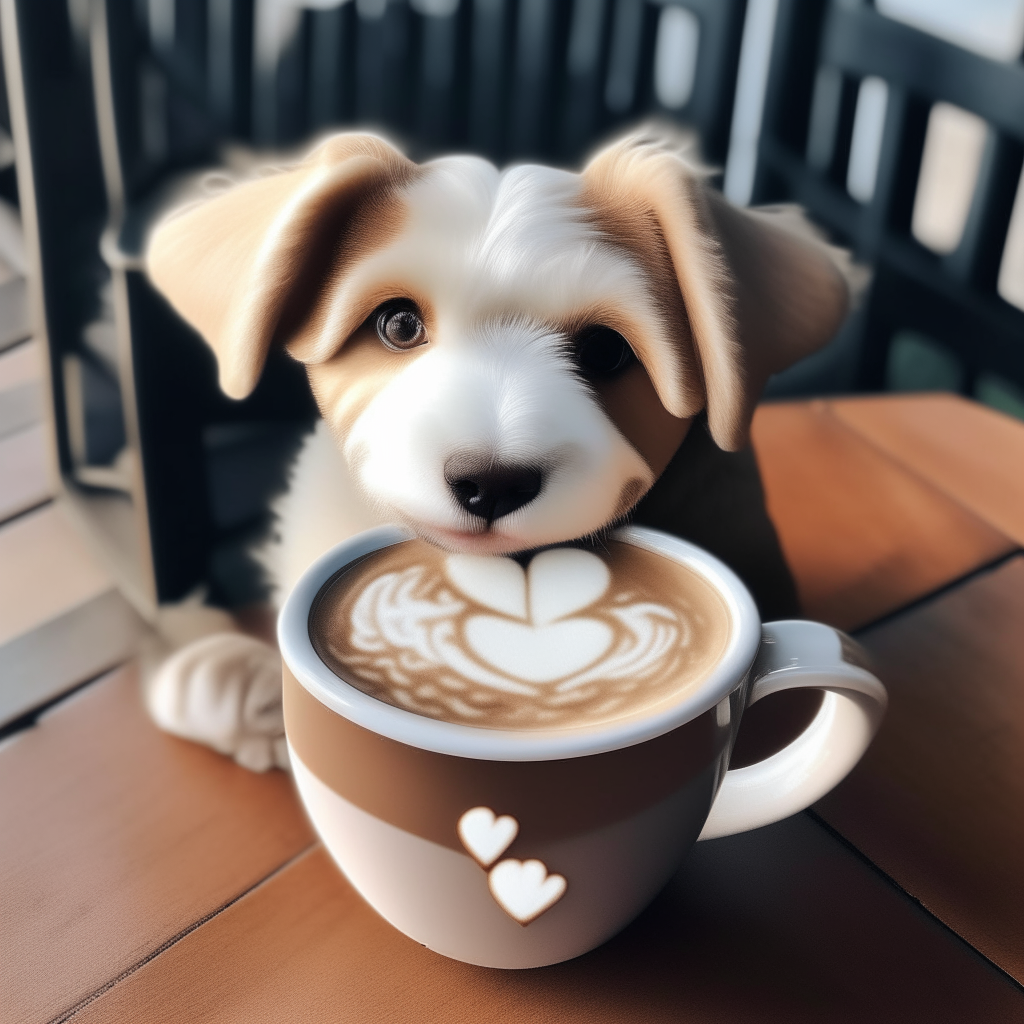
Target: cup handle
x,y
796,654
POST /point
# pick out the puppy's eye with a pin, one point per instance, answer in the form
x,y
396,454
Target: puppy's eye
x,y
400,326
602,353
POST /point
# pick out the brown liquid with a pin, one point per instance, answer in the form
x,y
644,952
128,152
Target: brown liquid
x,y
576,639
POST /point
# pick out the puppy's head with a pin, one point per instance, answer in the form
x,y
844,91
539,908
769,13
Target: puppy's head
x,y
507,359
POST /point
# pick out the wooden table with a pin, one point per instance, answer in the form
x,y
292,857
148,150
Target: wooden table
x,y
146,879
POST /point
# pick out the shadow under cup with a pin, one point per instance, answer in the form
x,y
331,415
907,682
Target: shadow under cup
x,y
509,848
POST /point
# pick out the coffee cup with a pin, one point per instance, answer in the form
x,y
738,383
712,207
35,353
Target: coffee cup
x,y
518,842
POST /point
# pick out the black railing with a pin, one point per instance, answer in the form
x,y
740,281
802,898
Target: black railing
x,y
118,100
823,51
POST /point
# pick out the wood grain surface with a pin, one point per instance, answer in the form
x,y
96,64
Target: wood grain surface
x,y
782,924
966,450
115,839
24,474
46,571
863,535
938,801
20,365
143,878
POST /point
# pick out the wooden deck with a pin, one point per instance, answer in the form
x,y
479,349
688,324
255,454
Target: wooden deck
x,y
146,879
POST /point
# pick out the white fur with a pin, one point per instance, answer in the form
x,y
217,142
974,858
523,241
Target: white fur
x,y
224,691
485,243
501,258
502,395
321,508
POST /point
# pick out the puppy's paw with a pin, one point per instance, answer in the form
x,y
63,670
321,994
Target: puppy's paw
x,y
224,691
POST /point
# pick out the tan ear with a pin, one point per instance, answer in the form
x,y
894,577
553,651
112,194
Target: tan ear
x,y
248,268
759,293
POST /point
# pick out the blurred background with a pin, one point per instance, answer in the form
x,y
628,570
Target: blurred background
x,y
899,125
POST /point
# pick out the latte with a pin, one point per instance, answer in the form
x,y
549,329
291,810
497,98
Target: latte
x,y
574,638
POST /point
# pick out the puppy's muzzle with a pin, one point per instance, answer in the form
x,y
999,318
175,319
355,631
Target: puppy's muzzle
x,y
495,491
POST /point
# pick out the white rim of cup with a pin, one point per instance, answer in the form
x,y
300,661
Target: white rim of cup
x,y
519,744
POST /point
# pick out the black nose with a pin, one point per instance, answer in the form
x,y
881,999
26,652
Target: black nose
x,y
496,491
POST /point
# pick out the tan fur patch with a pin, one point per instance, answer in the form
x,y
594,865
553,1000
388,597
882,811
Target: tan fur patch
x,y
633,406
368,222
627,224
346,384
649,200
254,265
759,290
632,491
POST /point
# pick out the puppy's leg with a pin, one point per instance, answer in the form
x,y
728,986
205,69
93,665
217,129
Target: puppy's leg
x,y
221,687
205,680
225,691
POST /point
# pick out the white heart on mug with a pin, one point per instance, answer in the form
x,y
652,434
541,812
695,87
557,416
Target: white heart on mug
x,y
524,889
538,654
486,836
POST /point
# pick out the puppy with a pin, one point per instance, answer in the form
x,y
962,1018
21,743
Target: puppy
x,y
503,360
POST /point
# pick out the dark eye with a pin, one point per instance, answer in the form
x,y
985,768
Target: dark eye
x,y
602,353
400,326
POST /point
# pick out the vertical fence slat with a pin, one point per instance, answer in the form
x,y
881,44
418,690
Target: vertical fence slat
x,y
541,32
584,115
979,255
229,64
492,42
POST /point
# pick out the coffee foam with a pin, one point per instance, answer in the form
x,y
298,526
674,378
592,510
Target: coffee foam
x,y
575,639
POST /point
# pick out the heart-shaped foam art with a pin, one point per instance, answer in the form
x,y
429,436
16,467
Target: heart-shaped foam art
x,y
538,654
496,583
538,648
486,836
559,582
563,581
524,889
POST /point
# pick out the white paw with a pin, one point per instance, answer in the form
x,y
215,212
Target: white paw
x,y
224,691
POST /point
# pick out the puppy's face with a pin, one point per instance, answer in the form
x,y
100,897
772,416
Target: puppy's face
x,y
491,397
511,359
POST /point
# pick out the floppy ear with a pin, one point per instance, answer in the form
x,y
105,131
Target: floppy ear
x,y
248,268
759,290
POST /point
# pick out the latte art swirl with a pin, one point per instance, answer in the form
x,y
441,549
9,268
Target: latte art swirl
x,y
573,639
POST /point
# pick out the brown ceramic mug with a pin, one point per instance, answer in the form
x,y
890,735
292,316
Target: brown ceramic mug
x,y
520,848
